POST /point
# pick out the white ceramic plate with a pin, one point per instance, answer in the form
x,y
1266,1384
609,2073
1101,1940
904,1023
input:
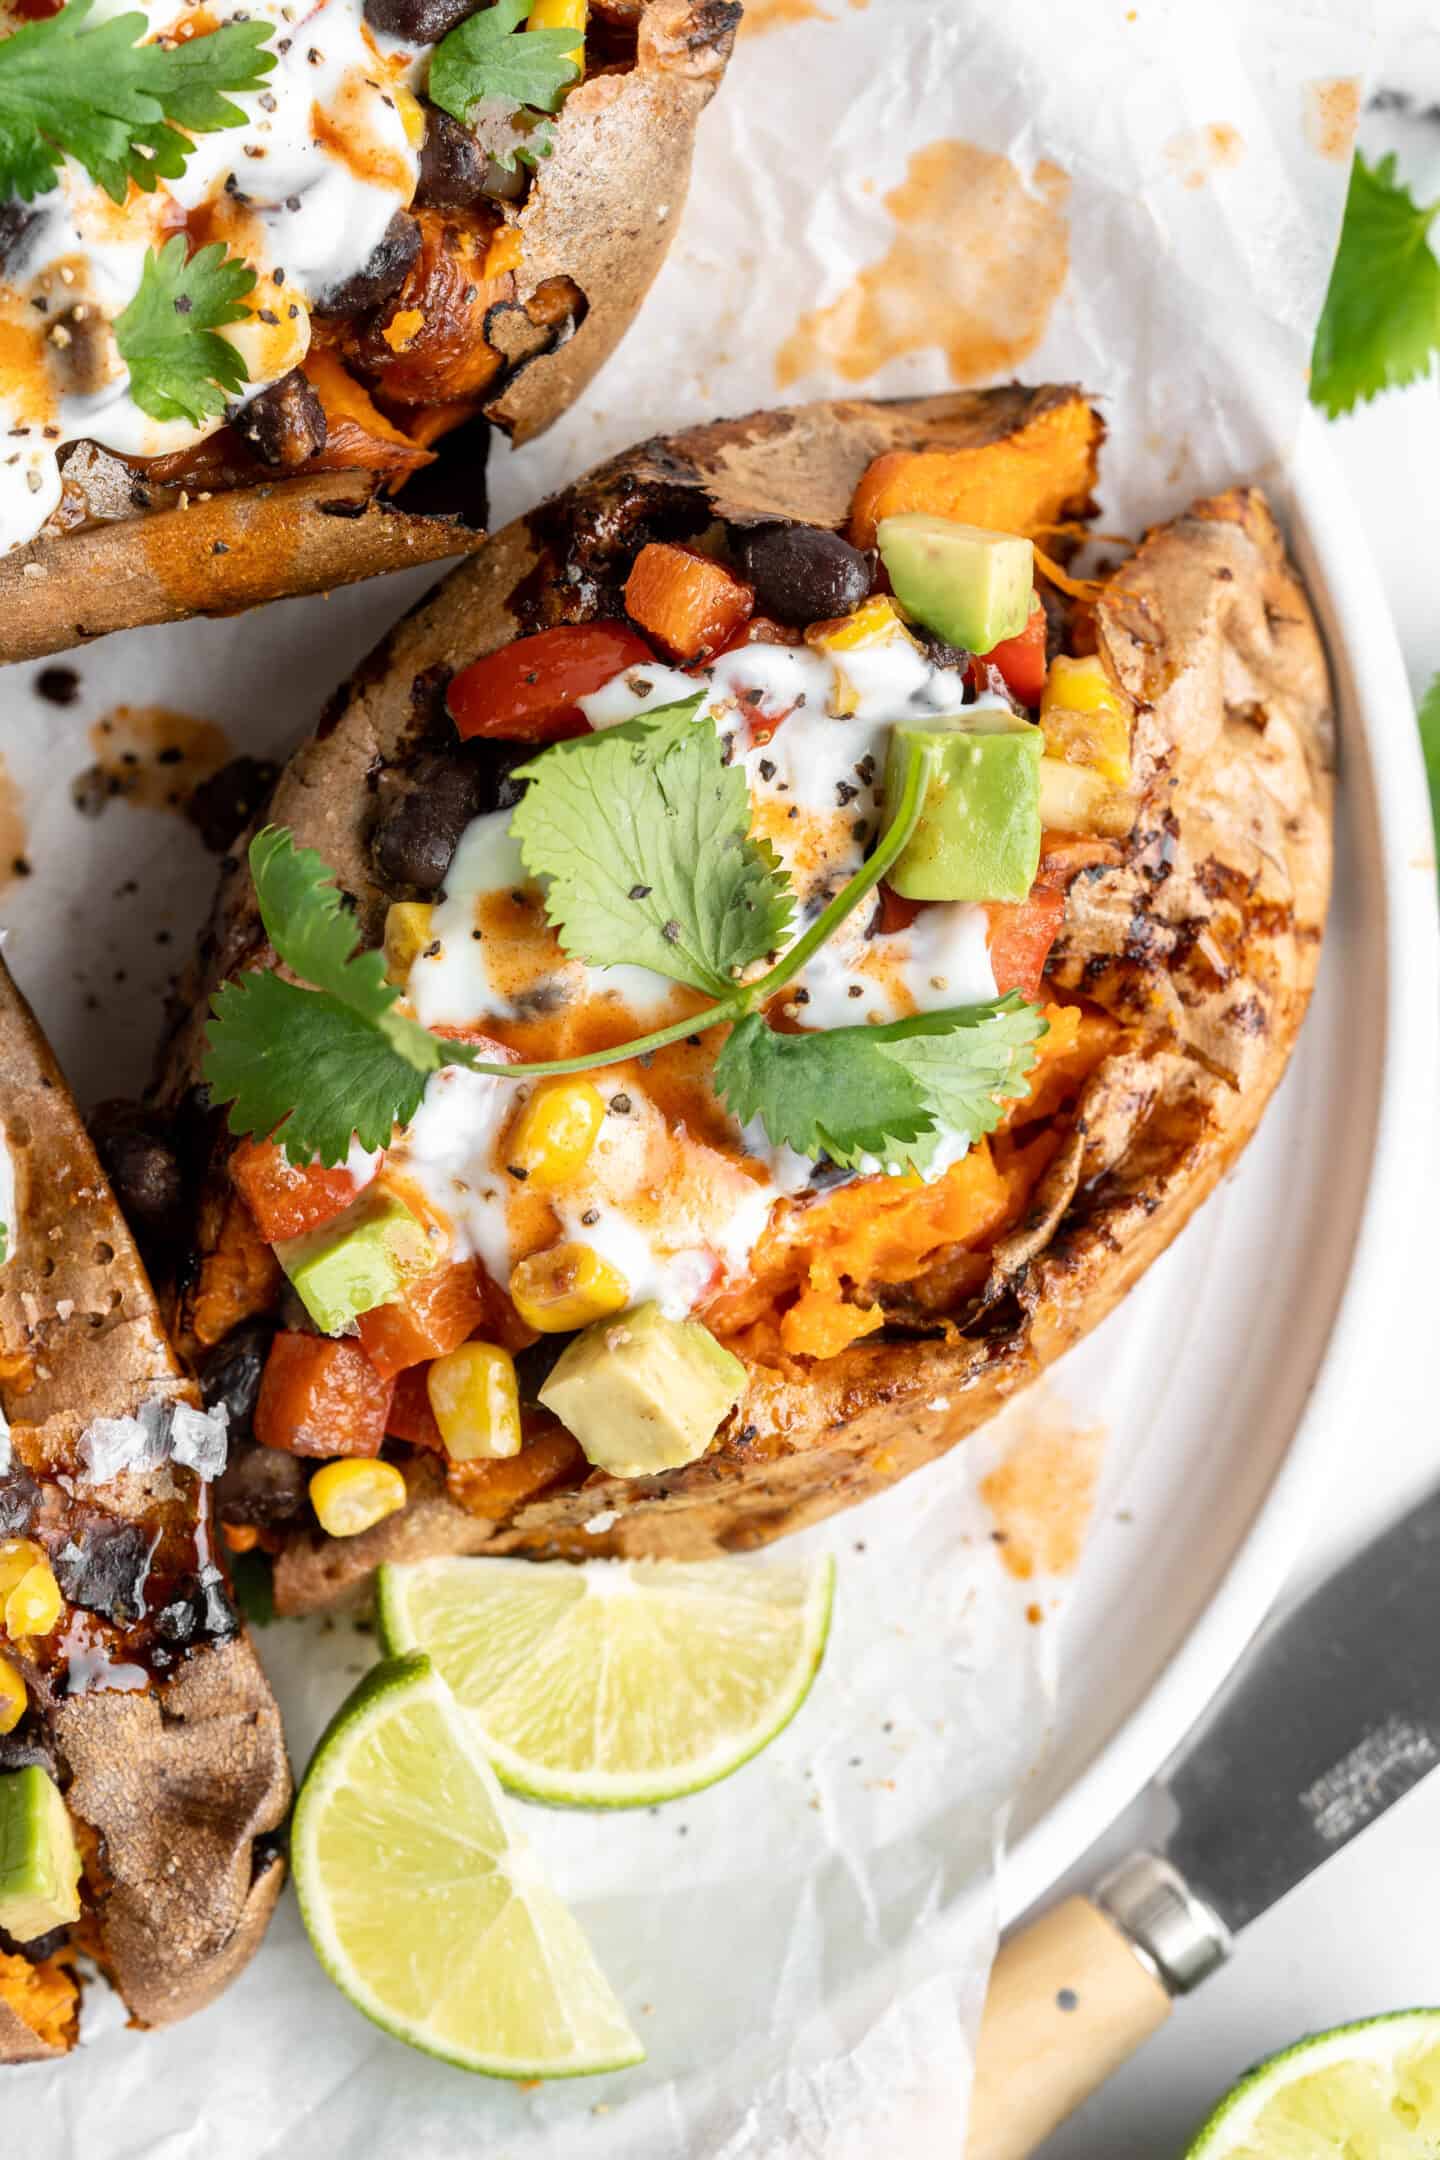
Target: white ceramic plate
x,y
1241,1364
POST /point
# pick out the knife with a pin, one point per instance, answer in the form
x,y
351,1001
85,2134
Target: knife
x,y
1331,1717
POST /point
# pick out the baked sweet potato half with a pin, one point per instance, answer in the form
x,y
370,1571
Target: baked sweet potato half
x,y
139,1742
276,369
1122,896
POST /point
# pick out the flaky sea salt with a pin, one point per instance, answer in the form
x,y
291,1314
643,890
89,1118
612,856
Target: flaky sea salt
x,y
198,1439
161,1433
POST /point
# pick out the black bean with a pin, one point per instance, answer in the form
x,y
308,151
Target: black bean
x,y
15,222
231,1374
261,1486
802,574
455,172
419,22
378,278
105,1571
141,1167
28,1748
35,1948
222,806
418,830
19,1499
285,424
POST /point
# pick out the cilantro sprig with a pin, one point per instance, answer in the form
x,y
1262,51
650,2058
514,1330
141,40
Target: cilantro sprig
x,y
93,93
179,368
642,836
494,77
1380,326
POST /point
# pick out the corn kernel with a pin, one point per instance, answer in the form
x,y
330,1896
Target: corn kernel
x,y
12,1696
876,622
407,933
476,1401
412,114
17,1556
567,1287
562,15
35,1603
505,252
552,1137
349,1497
1087,718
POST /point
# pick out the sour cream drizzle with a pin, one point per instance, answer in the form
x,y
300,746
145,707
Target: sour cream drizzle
x,y
304,191
676,1195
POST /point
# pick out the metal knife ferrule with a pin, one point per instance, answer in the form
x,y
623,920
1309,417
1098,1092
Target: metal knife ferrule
x,y
1175,1933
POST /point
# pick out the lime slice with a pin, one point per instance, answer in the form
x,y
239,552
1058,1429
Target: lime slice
x,y
1362,2092
424,1908
618,1683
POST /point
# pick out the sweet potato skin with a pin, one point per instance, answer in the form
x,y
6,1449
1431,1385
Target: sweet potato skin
x,y
1209,630
177,1787
591,241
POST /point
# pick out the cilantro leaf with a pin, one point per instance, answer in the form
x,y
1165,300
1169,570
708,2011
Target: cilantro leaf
x,y
487,60
1380,326
1430,744
326,1063
643,832
96,95
883,1092
179,368
299,1067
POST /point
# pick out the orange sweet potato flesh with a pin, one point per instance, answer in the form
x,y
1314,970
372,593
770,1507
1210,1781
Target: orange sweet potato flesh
x,y
319,1397
285,1198
494,1488
240,1276
684,602
357,432
43,1997
1026,482
437,1312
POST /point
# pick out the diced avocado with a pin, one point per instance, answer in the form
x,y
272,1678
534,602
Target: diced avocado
x,y
642,1393
361,1259
979,832
39,1862
970,587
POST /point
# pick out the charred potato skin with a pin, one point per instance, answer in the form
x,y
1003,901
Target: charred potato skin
x,y
591,240
1204,940
178,1788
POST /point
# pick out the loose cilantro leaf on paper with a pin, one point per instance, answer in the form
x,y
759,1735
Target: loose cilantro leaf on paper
x,y
1430,744
886,1092
1380,326
325,1063
97,96
179,368
487,61
643,832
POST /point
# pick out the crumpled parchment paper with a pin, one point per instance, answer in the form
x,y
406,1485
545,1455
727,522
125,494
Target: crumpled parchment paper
x,y
887,198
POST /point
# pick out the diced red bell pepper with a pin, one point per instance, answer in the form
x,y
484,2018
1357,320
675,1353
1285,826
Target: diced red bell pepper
x,y
1021,660
1021,934
285,1198
411,1417
321,1397
690,605
434,1313
896,912
526,692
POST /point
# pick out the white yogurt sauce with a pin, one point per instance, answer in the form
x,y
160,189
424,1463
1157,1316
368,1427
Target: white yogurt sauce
x,y
673,1213
304,189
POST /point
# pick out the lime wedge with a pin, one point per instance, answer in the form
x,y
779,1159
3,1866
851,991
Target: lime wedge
x,y
426,1910
1362,2092
618,1683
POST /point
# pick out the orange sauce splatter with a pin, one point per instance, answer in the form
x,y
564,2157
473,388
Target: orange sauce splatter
x,y
1041,1495
1195,153
979,258
763,15
343,133
151,757
24,375
12,830
1332,113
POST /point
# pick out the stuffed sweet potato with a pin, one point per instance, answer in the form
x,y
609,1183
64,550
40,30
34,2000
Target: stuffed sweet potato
x,y
258,349
142,1770
771,1176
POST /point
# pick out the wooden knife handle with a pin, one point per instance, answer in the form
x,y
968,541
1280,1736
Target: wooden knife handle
x,y
1070,2000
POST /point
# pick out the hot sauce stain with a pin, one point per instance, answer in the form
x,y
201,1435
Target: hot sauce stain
x,y
762,15
149,756
1195,153
1332,112
1042,1494
979,257
13,861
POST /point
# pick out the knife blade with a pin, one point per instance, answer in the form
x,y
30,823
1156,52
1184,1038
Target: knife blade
x,y
1331,1716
